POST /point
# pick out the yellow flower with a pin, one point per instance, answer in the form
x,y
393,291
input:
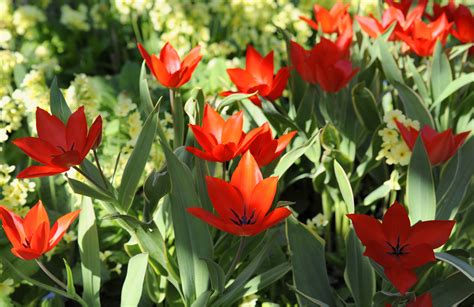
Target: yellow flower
x,y
124,105
26,17
389,136
400,153
75,19
391,116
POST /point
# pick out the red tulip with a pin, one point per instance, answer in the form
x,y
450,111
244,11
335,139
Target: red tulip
x,y
32,236
264,148
58,146
439,146
424,300
326,65
398,247
405,5
168,68
423,37
258,77
243,204
449,10
330,21
464,22
221,140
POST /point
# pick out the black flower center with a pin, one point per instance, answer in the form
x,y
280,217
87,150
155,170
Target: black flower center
x,y
397,250
243,220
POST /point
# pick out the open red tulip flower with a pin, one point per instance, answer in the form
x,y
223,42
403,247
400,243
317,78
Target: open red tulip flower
x,y
326,64
243,204
58,146
330,21
464,26
439,146
168,68
264,148
422,38
398,247
221,140
258,77
32,236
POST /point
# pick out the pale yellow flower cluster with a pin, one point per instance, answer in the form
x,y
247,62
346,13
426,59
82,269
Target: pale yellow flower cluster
x,y
15,194
82,92
25,19
128,7
11,114
124,105
33,91
394,148
8,61
134,127
75,19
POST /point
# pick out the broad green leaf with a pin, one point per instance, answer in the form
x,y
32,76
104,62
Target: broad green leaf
x,y
232,291
421,196
306,107
413,105
133,285
217,275
460,265
87,190
454,182
58,104
344,186
193,241
293,155
229,100
418,80
156,186
359,274
377,194
88,241
441,75
136,163
70,279
453,87
178,118
452,290
308,262
261,281
390,67
365,107
202,300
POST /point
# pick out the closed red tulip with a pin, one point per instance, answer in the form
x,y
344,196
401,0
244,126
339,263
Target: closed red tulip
x,y
168,68
59,147
264,148
398,247
32,236
221,140
423,37
439,146
326,64
258,77
464,26
243,204
331,20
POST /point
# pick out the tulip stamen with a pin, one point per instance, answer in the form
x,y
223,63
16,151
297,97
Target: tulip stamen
x,y
243,220
26,243
397,250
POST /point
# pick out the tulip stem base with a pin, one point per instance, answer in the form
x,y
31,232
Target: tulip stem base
x,y
51,275
236,260
89,178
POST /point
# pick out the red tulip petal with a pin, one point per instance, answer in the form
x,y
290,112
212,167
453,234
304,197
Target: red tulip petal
x,y
402,279
379,252
262,195
193,57
60,228
225,152
250,137
253,61
38,149
246,176
279,83
41,171
273,218
50,128
160,71
409,134
225,198
67,159
367,228
26,253
459,140
417,256
213,123
242,79
187,72
34,218
284,140
214,221
76,130
13,226
170,58
201,154
424,300
396,224
205,140
310,22
95,133
369,25
232,131
433,233
39,238
146,56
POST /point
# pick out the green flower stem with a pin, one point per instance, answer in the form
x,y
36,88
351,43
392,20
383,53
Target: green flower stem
x,y
236,260
51,275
